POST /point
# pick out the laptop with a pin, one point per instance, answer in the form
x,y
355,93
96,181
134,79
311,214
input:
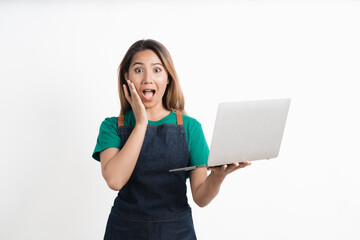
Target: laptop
x,y
246,131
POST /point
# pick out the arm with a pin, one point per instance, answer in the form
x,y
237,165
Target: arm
x,y
118,165
205,188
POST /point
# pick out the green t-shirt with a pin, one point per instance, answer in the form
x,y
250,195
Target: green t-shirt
x,y
198,148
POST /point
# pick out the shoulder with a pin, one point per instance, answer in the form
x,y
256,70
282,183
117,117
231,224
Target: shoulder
x,y
112,122
191,122
192,127
109,124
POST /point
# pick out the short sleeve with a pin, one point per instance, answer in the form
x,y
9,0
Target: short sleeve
x,y
198,148
107,138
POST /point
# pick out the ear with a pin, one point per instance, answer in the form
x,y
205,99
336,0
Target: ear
x,y
126,75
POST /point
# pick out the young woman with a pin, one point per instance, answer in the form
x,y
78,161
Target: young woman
x,y
151,136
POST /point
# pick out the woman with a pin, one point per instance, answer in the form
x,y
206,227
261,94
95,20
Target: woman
x,y
151,136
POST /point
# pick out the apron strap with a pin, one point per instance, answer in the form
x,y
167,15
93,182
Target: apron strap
x,y
121,121
179,118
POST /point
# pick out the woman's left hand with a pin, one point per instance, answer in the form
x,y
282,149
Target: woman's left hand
x,y
224,170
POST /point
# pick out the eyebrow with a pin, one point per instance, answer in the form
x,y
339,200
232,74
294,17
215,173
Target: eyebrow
x,y
140,63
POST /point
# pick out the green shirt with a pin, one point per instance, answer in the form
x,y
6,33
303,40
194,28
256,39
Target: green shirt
x,y
198,148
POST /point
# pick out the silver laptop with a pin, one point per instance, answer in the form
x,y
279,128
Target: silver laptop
x,y
246,131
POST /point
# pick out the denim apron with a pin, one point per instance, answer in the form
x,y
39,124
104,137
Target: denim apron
x,y
153,203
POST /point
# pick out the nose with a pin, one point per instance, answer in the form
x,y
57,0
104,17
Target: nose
x,y
148,77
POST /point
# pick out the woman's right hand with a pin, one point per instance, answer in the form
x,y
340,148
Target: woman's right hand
x,y
136,104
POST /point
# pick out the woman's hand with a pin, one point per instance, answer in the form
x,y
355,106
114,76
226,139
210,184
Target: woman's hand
x,y
136,104
222,171
204,188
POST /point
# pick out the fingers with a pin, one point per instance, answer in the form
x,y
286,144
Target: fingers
x,y
230,167
131,93
218,168
237,166
135,102
131,87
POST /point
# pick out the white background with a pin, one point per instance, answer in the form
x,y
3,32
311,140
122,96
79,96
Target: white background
x,y
58,69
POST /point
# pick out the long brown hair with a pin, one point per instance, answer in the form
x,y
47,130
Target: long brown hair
x,y
173,98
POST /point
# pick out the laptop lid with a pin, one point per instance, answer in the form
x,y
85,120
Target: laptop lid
x,y
246,131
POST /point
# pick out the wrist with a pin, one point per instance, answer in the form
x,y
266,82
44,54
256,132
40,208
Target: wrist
x,y
217,178
141,126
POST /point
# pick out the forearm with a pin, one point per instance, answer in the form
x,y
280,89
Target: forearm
x,y
205,188
119,168
208,190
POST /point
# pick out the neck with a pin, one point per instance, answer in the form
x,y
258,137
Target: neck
x,y
156,114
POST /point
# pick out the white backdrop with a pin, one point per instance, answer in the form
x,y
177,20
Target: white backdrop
x,y
58,66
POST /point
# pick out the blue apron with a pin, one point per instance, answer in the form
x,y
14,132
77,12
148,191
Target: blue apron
x,y
153,203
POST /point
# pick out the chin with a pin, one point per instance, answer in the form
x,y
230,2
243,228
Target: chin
x,y
152,104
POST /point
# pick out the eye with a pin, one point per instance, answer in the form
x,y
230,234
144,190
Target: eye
x,y
157,70
138,70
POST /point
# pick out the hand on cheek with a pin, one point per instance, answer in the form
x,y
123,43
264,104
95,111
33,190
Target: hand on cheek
x,y
136,104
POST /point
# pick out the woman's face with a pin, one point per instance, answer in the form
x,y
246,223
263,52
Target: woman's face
x,y
149,77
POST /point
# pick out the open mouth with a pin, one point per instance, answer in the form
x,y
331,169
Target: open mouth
x,y
148,94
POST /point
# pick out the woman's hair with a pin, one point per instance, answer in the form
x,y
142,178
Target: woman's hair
x,y
173,98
